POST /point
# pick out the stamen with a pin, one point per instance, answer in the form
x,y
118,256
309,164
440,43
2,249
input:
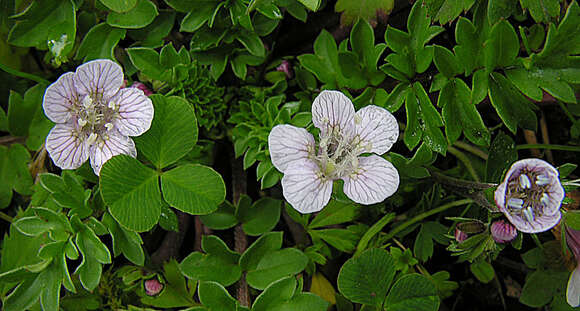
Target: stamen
x,y
542,180
109,126
112,105
87,101
525,182
81,122
528,214
515,203
92,139
545,200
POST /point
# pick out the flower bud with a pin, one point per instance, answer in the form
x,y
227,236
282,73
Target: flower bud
x,y
153,287
503,232
460,236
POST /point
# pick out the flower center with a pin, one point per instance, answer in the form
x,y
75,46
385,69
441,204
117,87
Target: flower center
x,y
527,194
337,157
94,117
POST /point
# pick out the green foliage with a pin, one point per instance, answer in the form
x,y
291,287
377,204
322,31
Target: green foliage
x,y
369,10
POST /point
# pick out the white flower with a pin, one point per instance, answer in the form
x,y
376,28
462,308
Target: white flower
x,y
94,116
310,168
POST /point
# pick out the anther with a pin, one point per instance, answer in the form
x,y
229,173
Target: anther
x,y
542,180
525,182
109,126
528,214
81,122
515,203
87,101
545,200
92,138
112,105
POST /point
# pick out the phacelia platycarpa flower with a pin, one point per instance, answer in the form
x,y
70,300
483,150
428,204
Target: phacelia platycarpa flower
x,y
94,116
310,167
530,195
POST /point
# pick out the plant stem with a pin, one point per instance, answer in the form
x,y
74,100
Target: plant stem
x,y
24,75
549,147
239,187
5,217
467,147
463,158
424,215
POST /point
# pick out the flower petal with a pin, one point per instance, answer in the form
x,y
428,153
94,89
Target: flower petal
x,y
374,180
332,110
100,76
538,224
573,290
59,97
103,150
376,129
288,144
66,149
303,187
135,111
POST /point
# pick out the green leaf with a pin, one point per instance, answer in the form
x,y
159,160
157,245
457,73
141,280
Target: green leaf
x,y
541,286
446,62
147,61
22,110
125,241
369,10
445,11
413,292
275,294
35,23
131,190
139,16
562,41
366,278
220,264
460,114
261,217
423,247
119,6
511,106
95,253
336,212
25,295
542,10
194,189
470,43
274,265
500,10
502,47
432,134
153,34
312,5
554,81
100,42
173,132
199,13
324,62
252,42
268,242
502,154
168,219
482,270
342,239
222,218
215,297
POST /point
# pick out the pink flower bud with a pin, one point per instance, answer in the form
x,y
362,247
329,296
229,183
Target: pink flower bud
x,y
285,68
153,287
460,236
503,232
142,87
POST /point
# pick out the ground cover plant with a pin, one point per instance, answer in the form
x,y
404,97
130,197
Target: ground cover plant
x,y
289,155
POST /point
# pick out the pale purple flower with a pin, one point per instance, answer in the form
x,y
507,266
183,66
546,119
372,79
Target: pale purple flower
x,y
573,289
285,68
94,116
530,195
310,167
503,232
153,287
460,236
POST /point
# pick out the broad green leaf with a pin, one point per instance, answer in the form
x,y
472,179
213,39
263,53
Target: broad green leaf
x,y
32,226
342,239
542,10
36,22
461,115
511,106
95,253
431,120
173,132
100,42
275,294
500,10
266,243
215,297
423,247
541,286
482,270
324,62
554,81
125,241
222,218
168,219
260,217
119,6
199,13
366,278
336,212
312,5
502,47
562,41
274,265
252,43
131,190
25,295
22,110
413,292
146,60
141,15
470,42
446,62
194,189
153,34
445,11
369,10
